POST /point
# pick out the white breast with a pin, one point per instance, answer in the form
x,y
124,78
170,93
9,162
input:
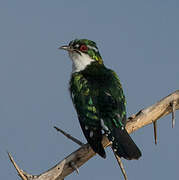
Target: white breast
x,y
80,61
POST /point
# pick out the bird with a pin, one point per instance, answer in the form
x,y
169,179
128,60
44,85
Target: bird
x,y
99,100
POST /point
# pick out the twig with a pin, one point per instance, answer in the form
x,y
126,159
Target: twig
x,y
155,131
69,136
173,113
120,165
20,172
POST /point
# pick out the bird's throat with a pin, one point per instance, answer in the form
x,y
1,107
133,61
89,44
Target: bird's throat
x,y
80,61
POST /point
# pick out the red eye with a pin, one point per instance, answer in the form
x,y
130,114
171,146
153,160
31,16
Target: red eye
x,y
83,48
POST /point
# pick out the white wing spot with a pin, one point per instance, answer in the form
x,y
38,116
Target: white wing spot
x,y
118,115
108,94
104,126
91,133
86,127
72,95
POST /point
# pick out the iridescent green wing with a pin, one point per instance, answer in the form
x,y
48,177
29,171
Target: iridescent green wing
x,y
113,117
83,97
112,101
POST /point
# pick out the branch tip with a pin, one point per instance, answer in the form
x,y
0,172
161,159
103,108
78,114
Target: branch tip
x,y
173,104
20,172
69,136
120,165
155,131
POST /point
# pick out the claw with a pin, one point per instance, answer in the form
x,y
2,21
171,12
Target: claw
x,y
73,165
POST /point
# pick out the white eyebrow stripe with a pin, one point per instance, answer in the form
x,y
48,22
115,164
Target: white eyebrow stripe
x,y
91,47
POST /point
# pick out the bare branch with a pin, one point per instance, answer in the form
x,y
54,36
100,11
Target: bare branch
x,y
153,113
84,153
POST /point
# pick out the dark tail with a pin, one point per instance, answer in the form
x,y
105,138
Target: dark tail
x,y
123,145
94,138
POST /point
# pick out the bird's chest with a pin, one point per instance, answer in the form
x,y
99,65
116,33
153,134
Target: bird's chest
x,y
97,82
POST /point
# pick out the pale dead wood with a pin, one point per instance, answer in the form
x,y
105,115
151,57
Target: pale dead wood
x,y
84,153
81,144
153,113
120,165
21,173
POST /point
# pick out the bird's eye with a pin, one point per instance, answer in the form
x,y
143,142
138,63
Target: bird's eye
x,y
83,48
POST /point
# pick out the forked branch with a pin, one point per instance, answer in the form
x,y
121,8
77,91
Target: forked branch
x,y
77,158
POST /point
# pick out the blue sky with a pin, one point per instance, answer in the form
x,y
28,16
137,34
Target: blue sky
x,y
138,39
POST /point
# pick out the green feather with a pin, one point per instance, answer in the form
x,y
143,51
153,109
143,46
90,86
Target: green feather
x,y
97,94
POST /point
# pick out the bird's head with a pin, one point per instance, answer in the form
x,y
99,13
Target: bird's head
x,y
82,52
